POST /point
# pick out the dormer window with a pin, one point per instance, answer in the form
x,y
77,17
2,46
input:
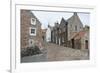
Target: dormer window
x,y
33,21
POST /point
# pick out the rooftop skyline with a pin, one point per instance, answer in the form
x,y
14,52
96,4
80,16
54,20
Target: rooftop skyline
x,y
51,17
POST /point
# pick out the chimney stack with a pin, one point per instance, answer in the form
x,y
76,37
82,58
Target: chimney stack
x,y
75,13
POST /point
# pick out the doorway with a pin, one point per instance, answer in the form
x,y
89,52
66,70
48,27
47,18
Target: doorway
x,y
73,44
86,44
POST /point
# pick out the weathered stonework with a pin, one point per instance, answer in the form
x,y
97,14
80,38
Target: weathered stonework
x,y
26,16
66,32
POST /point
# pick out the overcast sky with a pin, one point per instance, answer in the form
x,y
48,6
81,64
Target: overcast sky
x,y
51,17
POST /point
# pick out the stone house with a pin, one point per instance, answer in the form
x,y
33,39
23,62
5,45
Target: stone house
x,y
74,26
71,33
63,34
59,33
30,29
81,39
55,34
66,29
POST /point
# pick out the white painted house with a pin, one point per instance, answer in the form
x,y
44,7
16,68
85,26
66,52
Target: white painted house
x,y
48,34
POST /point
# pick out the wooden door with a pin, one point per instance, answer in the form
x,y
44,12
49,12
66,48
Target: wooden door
x,y
86,44
73,44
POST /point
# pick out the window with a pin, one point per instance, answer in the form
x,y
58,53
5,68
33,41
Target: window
x,y
33,21
31,42
32,31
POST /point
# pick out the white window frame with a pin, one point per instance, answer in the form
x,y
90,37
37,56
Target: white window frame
x,y
32,33
31,44
33,23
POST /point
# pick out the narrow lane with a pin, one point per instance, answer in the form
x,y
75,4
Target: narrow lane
x,y
60,53
53,52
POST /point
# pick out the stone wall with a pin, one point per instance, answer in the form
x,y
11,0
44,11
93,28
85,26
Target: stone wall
x,y
26,16
74,25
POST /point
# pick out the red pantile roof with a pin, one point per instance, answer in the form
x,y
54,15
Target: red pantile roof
x,y
79,35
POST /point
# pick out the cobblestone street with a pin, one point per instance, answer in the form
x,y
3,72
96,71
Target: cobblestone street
x,y
53,52
42,41
58,53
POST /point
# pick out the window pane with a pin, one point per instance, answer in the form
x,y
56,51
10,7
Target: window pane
x,y
33,31
33,21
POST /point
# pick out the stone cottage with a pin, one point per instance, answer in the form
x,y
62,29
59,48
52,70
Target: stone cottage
x,y
81,39
71,33
55,33
30,29
66,29
74,26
